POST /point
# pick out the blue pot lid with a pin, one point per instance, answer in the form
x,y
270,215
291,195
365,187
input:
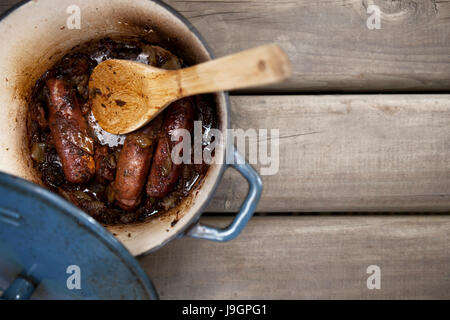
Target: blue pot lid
x,y
50,249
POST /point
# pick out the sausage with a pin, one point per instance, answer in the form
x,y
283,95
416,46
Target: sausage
x,y
164,173
70,133
134,163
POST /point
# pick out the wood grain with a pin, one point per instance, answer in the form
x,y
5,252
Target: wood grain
x,y
329,43
348,153
310,258
338,153
344,153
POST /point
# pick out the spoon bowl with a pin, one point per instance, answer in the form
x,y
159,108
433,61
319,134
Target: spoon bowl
x,y
126,95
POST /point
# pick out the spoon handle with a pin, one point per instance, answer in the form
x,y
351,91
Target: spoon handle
x,y
259,66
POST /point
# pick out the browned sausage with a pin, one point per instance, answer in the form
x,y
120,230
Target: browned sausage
x,y
70,135
164,173
134,163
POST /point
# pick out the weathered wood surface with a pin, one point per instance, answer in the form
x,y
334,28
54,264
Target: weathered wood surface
x,y
341,153
329,43
338,153
348,153
310,258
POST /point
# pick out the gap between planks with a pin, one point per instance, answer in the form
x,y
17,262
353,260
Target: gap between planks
x,y
386,160
326,257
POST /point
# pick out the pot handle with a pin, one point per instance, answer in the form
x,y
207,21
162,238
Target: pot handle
x,y
200,231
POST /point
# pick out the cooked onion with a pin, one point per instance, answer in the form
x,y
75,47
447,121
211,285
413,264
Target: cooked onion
x,y
169,202
171,64
80,195
38,152
144,141
110,193
166,167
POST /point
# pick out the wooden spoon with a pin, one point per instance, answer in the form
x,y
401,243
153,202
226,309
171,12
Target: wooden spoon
x,y
126,95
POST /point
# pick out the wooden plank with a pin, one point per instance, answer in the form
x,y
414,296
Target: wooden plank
x,y
5,4
380,157
329,43
310,258
348,153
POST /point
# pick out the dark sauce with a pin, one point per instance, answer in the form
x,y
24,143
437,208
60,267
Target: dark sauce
x,y
95,197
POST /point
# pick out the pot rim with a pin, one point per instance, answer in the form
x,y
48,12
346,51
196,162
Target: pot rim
x,y
191,222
